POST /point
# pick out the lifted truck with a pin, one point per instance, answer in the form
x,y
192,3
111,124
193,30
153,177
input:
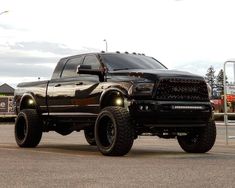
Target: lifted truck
x,y
114,97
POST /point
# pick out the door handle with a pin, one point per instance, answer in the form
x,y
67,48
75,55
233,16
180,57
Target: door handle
x,y
79,83
57,85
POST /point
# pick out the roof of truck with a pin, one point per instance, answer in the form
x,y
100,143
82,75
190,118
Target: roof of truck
x,y
103,52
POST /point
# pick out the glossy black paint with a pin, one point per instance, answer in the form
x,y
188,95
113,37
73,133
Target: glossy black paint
x,y
81,96
34,90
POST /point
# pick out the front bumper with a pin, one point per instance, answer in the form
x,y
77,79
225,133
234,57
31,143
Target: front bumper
x,y
171,113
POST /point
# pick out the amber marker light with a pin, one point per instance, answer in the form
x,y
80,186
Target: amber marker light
x,y
30,101
119,101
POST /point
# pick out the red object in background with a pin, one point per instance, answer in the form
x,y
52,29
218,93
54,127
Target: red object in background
x,y
217,101
230,98
218,104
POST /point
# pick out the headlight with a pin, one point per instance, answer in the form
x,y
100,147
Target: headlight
x,y
209,90
140,89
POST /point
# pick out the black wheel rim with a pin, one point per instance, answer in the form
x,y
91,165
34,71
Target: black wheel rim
x,y
110,132
21,129
192,139
106,131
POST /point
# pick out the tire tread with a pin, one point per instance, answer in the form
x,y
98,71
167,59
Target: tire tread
x,y
207,138
125,133
34,125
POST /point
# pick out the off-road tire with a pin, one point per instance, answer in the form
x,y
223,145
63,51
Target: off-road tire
x,y
90,136
28,128
120,140
200,140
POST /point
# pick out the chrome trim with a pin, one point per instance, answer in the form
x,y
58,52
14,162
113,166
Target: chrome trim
x,y
61,106
93,105
70,114
64,106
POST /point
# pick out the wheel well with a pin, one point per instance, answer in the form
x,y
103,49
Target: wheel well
x,y
112,98
27,103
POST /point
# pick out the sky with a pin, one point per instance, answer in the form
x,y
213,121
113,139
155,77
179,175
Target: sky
x,y
189,35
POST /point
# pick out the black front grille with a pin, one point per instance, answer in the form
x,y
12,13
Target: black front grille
x,y
177,89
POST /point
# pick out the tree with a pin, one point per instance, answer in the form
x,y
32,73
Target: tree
x,y
210,79
220,82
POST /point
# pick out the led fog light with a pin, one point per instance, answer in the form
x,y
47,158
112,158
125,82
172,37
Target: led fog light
x,y
177,107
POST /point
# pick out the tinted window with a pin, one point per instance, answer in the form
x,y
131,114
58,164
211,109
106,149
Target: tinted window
x,y
58,69
70,69
129,61
93,61
95,64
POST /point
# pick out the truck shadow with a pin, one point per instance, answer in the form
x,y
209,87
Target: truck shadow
x,y
161,153
70,149
86,150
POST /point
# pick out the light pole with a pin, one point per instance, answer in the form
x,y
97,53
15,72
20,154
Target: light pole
x,y
6,11
106,45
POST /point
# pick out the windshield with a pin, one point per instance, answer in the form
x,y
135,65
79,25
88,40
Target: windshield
x,y
116,62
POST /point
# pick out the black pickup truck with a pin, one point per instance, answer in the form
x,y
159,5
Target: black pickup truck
x,y
114,97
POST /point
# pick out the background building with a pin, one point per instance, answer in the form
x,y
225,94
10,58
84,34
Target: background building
x,y
6,90
6,101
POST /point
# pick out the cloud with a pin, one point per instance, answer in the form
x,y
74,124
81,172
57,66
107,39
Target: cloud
x,y
55,48
7,27
10,27
34,52
30,60
199,67
33,59
13,81
6,59
24,70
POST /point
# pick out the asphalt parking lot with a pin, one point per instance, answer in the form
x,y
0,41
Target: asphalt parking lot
x,y
70,162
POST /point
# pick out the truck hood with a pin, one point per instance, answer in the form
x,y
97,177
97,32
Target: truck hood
x,y
156,74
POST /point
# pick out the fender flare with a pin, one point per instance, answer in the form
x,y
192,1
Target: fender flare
x,y
110,90
28,96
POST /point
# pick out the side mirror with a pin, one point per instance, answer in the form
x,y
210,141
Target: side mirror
x,y
86,69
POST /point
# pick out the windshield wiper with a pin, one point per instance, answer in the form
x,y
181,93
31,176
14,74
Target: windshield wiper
x,y
120,69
